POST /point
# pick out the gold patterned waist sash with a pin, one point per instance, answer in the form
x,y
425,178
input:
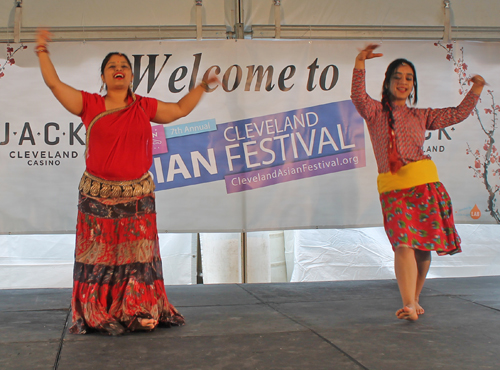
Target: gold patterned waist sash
x,y
97,187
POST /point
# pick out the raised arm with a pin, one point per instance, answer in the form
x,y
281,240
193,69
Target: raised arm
x,y
364,104
70,98
169,112
444,117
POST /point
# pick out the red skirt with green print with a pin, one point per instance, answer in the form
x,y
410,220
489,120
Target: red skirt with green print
x,y
421,218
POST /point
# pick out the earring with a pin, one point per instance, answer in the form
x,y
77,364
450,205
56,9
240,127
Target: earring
x,y
131,87
103,86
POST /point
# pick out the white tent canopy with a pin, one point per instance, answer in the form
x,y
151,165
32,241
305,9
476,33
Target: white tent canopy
x,y
297,19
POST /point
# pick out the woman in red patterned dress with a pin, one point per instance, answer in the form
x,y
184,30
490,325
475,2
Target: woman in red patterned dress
x,y
118,283
417,210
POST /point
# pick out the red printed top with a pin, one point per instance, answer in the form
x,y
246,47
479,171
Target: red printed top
x,y
410,124
119,144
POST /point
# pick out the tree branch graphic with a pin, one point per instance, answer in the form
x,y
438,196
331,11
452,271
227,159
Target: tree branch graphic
x,y
486,160
10,61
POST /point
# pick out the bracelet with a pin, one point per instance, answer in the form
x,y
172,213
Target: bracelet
x,y
41,49
205,86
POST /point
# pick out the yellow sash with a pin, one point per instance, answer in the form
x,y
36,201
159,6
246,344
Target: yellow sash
x,y
410,175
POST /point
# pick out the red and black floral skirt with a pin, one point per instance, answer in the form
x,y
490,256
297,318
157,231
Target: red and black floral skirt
x,y
118,271
421,218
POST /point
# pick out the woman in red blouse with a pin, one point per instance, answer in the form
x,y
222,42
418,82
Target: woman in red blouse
x,y
417,210
118,283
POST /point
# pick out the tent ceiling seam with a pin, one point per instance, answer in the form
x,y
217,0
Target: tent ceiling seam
x,y
108,33
376,32
117,33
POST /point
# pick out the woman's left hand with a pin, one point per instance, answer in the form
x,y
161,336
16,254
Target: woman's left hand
x,y
212,79
169,112
478,84
478,80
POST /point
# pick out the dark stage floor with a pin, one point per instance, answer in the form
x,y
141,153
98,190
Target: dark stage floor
x,y
329,325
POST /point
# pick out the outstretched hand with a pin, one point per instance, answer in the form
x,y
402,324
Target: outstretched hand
x,y
478,80
43,36
367,53
212,79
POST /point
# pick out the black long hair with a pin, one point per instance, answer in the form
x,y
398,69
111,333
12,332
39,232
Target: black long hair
x,y
108,57
386,101
387,81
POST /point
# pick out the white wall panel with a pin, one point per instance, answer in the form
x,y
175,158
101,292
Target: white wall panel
x,y
46,261
366,254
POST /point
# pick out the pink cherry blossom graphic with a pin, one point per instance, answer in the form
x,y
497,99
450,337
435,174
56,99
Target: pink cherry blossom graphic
x,y
486,162
10,61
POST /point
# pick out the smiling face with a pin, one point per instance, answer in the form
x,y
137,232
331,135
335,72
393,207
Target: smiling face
x,y
401,84
117,73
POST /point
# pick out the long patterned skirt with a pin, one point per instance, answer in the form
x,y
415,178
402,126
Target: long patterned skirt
x,y
118,272
421,218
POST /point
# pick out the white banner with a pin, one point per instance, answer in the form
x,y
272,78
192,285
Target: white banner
x,y
277,145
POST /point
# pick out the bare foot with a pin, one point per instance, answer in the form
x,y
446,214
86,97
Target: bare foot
x,y
419,309
140,323
147,324
407,313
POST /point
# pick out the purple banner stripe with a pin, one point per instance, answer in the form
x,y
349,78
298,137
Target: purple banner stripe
x,y
294,171
159,140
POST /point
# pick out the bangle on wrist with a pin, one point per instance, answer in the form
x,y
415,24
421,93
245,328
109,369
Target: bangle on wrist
x,y
41,49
